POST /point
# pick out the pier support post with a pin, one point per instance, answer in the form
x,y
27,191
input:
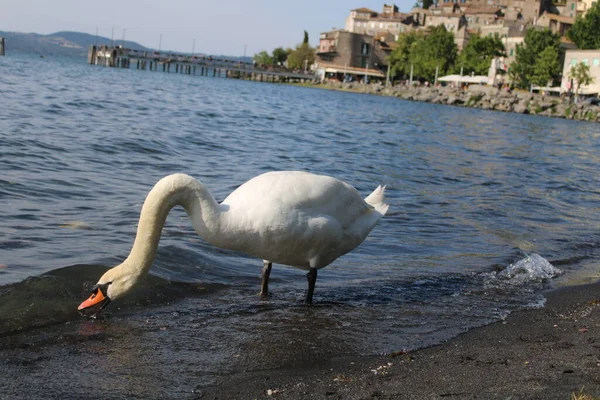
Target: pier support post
x,y
92,54
1,46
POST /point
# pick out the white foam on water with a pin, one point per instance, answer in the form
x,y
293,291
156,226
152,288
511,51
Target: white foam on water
x,y
530,270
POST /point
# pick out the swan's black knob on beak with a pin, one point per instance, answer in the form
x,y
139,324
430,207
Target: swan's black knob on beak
x,y
98,297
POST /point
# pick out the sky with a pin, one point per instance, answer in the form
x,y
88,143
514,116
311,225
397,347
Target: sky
x,y
227,27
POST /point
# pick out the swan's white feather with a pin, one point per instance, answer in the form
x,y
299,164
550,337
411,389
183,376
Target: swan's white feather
x,y
296,218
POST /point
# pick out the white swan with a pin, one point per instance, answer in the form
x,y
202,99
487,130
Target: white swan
x,y
288,217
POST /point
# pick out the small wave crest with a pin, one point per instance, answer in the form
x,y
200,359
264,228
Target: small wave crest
x,y
52,298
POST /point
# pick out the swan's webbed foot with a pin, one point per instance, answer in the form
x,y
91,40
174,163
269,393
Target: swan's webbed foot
x,y
311,276
266,272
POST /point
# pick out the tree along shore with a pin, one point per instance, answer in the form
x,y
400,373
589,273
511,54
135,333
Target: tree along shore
x,y
484,97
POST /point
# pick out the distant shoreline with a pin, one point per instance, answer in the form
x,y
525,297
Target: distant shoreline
x,y
476,96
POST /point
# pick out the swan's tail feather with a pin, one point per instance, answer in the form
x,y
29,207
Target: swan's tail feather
x,y
377,200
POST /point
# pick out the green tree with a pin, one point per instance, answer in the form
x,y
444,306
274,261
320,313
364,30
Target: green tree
x,y
423,4
279,55
436,50
263,58
425,52
302,56
478,53
400,58
580,73
530,64
545,68
585,32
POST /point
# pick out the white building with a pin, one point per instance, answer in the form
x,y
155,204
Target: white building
x,y
588,57
368,22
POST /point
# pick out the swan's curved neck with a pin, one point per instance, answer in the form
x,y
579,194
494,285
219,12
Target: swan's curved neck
x,y
173,190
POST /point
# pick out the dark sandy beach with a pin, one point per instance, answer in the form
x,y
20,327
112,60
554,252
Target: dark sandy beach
x,y
546,353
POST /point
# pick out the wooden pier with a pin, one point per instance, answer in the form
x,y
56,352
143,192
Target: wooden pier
x,y
120,57
1,46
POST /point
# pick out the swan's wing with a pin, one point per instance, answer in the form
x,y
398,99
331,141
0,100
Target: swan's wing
x,y
287,191
296,218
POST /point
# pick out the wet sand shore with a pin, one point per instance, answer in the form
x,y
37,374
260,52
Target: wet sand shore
x,y
546,353
184,349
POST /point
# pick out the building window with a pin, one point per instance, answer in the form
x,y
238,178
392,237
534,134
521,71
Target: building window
x,y
596,62
585,61
365,49
572,6
512,52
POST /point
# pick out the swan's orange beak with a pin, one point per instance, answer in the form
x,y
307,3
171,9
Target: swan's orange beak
x,y
97,297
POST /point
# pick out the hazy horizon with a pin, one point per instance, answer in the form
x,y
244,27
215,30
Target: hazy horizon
x,y
240,28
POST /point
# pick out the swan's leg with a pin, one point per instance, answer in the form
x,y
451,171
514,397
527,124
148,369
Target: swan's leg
x,y
312,279
266,272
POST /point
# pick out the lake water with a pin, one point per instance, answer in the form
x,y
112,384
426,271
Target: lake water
x,y
470,192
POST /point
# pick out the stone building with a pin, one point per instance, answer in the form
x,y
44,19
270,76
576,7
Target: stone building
x,y
528,10
556,23
453,21
566,8
343,54
369,22
584,5
478,17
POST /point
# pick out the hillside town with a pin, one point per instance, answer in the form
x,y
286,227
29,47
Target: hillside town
x,y
360,51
